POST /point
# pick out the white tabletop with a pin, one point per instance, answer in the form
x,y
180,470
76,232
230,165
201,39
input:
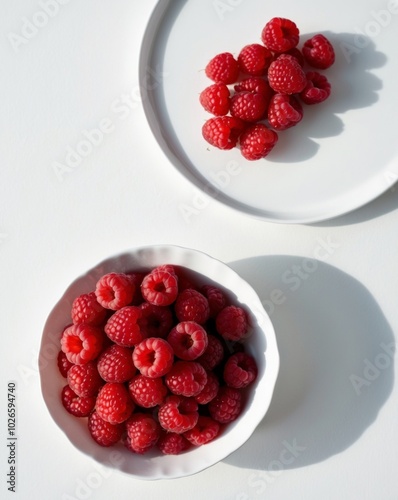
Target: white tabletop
x,y
331,429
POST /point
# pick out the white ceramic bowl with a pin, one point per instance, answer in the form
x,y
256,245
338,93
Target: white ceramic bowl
x,y
261,344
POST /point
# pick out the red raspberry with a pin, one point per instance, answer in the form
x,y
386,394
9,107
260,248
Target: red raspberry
x,y
191,305
223,131
223,68
227,405
171,443
210,389
286,76
84,380
114,291
240,370
115,364
123,326
188,340
186,378
153,357
254,59
232,323
82,343
114,403
284,111
75,405
136,278
178,414
216,299
142,431
160,287
86,309
104,433
215,99
317,90
147,392
156,321
204,431
248,106
63,363
280,34
295,52
213,354
255,84
257,142
319,52
168,268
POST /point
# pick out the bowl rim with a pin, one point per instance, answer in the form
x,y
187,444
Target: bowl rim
x,y
75,430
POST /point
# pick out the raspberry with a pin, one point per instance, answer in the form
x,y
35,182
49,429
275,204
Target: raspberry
x,y
232,323
114,403
188,340
295,52
223,68
213,354
84,380
75,405
240,370
248,106
104,433
319,52
156,321
215,99
82,343
254,59
204,431
210,389
153,357
86,309
186,378
123,326
171,443
286,76
227,405
257,142
280,34
317,89
115,364
215,298
284,111
160,287
255,84
114,291
142,432
178,414
136,279
147,392
63,363
223,131
191,305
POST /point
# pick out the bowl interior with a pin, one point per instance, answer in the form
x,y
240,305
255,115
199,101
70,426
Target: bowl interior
x,y
261,344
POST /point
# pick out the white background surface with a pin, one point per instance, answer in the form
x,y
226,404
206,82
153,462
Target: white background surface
x,y
338,278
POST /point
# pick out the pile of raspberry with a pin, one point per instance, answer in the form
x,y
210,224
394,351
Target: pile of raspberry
x,y
262,91
155,360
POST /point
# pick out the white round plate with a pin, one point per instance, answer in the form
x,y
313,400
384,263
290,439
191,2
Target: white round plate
x,y
344,152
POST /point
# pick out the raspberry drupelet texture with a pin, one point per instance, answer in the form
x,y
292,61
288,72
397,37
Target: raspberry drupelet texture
x,y
63,364
284,112
257,141
248,106
319,52
171,443
215,99
186,378
223,131
143,431
227,405
240,370
232,323
286,76
155,321
178,414
147,392
153,357
86,309
114,403
82,343
188,340
191,305
255,84
114,291
104,433
317,90
76,405
209,390
115,364
223,68
84,380
215,298
204,431
160,287
254,59
123,326
280,34
213,354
